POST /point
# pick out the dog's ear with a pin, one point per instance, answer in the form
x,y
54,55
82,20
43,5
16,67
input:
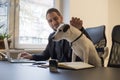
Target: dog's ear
x,y
66,27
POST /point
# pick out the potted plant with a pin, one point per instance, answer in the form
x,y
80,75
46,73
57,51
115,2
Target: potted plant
x,y
3,35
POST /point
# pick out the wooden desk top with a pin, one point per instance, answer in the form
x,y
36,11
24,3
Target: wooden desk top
x,y
27,71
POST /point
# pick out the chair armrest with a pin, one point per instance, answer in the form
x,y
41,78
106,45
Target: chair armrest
x,y
103,52
106,52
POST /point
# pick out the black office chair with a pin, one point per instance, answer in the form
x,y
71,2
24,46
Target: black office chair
x,y
114,59
98,37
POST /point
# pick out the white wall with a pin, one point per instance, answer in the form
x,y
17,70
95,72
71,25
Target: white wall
x,y
92,12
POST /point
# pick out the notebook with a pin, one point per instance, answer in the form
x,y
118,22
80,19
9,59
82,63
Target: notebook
x,y
74,65
7,56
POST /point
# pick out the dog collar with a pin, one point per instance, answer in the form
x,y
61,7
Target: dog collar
x,y
76,38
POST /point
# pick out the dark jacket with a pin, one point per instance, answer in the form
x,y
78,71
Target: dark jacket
x,y
60,50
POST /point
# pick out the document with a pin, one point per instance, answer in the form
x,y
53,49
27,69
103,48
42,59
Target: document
x,y
74,65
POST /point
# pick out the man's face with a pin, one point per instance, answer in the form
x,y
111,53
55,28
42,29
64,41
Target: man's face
x,y
54,20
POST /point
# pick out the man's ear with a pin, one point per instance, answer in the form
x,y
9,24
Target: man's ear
x,y
66,27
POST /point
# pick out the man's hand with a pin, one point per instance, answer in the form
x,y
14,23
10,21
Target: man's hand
x,y
24,55
76,22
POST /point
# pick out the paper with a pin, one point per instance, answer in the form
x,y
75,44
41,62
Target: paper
x,y
74,65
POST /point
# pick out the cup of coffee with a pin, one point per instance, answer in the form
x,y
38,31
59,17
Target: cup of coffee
x,y
53,65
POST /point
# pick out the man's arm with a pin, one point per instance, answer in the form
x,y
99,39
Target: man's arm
x,y
84,32
45,55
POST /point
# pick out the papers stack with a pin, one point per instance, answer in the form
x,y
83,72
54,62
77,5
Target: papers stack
x,y
74,65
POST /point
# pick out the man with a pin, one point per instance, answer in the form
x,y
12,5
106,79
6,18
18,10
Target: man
x,y
60,50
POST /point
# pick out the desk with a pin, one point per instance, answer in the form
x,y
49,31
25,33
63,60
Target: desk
x,y
25,71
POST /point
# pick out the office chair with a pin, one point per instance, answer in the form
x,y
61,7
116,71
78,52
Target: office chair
x,y
114,59
98,37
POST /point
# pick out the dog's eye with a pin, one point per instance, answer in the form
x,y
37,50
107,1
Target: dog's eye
x,y
60,30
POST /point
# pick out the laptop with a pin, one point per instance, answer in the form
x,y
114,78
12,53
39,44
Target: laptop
x,y
9,58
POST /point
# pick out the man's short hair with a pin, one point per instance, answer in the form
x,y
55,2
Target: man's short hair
x,y
53,10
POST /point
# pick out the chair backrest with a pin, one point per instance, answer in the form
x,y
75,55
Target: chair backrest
x,y
97,35
114,59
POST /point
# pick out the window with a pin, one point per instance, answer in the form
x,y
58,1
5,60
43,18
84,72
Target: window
x,y
32,29
4,7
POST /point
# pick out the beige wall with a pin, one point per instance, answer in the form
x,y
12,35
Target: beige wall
x,y
92,12
113,16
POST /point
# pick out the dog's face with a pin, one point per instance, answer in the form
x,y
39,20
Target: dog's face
x,y
62,32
